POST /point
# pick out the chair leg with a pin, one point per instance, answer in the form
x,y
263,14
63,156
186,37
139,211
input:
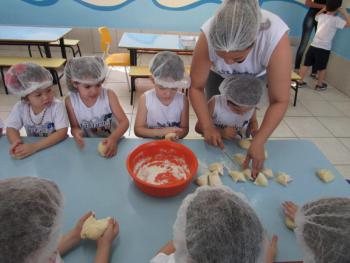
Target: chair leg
x,y
56,80
296,94
71,49
41,53
78,49
3,79
29,51
132,90
127,77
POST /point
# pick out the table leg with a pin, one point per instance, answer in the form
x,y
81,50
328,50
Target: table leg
x,y
63,49
47,50
133,57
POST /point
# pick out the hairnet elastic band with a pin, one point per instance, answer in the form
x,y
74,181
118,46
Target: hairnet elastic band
x,y
182,84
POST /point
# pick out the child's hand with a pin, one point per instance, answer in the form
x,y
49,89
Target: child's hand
x,y
24,150
78,137
166,130
13,146
229,133
272,250
109,235
110,147
290,209
79,226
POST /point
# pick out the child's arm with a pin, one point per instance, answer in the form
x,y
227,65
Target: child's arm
x,y
104,243
123,124
311,3
184,123
14,138
168,248
0,132
141,129
75,129
320,12
272,250
346,16
253,124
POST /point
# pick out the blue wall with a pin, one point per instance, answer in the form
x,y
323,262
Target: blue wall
x,y
145,14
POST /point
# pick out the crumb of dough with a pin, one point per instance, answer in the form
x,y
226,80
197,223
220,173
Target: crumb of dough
x,y
325,175
290,223
244,144
248,174
217,167
261,180
237,176
202,180
214,179
101,149
239,158
268,173
171,136
93,228
283,178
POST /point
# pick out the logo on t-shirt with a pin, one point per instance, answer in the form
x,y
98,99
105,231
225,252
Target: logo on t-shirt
x,y
43,130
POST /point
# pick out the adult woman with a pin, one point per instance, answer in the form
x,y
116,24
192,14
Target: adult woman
x,y
242,38
309,24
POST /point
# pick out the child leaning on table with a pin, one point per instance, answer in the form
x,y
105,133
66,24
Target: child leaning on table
x,y
322,229
38,111
30,218
93,110
234,110
215,224
163,110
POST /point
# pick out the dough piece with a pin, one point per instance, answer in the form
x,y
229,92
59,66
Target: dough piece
x,y
239,158
248,174
93,229
101,149
268,173
325,175
283,178
244,144
237,176
202,180
261,180
217,167
171,136
214,179
290,223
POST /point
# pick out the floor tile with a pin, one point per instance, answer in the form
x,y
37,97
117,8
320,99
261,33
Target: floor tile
x,y
125,103
339,126
333,94
343,106
322,108
345,141
120,88
298,111
307,127
334,150
283,130
117,74
306,94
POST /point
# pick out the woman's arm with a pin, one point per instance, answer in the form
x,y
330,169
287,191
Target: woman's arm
x,y
312,4
199,74
184,122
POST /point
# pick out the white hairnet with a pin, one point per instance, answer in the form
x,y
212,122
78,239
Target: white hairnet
x,y
215,225
242,89
235,26
24,78
323,230
87,70
168,70
30,211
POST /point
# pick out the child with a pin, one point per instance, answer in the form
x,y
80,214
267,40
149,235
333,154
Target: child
x,y
38,112
320,48
233,111
322,229
214,224
31,212
93,111
163,110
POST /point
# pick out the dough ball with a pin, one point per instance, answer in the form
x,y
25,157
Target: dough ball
x,y
283,178
214,179
171,136
93,228
102,149
325,175
217,167
248,174
202,180
261,180
239,158
237,176
290,223
244,144
268,173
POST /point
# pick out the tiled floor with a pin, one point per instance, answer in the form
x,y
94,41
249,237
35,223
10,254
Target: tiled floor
x,y
322,117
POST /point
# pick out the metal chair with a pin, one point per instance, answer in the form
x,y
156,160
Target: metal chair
x,y
115,59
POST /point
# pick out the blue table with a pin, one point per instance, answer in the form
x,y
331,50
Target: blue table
x,y
24,35
135,42
90,182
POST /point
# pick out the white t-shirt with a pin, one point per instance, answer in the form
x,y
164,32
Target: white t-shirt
x,y
43,124
160,115
326,28
258,58
163,258
97,120
224,117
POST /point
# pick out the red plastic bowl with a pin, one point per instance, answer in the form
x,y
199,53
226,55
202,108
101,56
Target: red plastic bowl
x,y
164,150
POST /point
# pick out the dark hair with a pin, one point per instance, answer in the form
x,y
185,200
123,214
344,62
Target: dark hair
x,y
333,5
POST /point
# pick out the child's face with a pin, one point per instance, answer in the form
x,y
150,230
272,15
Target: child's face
x,y
41,98
165,95
238,109
88,92
233,57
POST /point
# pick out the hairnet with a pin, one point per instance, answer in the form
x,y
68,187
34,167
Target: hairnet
x,y
87,70
24,78
235,26
215,225
323,230
168,70
30,211
242,89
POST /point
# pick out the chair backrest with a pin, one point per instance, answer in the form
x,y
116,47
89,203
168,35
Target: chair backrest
x,y
106,39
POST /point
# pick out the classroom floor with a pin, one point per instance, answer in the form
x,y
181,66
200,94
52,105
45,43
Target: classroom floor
x,y
321,117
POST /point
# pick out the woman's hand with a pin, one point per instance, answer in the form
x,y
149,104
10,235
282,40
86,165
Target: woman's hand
x,y
213,137
256,154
